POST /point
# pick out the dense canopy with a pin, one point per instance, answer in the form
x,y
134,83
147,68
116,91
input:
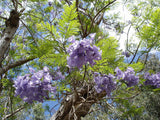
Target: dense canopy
x,y
79,59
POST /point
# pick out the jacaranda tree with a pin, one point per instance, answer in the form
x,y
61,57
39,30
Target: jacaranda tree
x,y
61,51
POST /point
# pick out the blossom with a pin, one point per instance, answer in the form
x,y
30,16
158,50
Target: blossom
x,y
126,53
153,79
119,74
128,76
50,3
1,11
82,52
34,86
104,82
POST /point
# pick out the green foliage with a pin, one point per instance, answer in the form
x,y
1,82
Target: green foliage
x,y
54,59
43,48
69,24
148,24
50,53
152,65
45,27
34,112
45,37
38,112
6,83
136,66
110,56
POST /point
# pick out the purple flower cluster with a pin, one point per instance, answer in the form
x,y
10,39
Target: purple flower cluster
x,y
127,54
153,79
34,86
128,76
104,82
58,75
50,3
81,52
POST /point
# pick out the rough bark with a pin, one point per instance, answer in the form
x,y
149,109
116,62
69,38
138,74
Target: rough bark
x,y
12,24
78,104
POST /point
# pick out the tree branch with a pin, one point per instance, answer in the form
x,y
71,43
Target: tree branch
x,y
68,2
145,61
83,12
93,20
18,63
136,52
82,34
30,32
10,115
128,38
3,17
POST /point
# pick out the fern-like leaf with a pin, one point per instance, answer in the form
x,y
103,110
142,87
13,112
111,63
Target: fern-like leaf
x,y
69,24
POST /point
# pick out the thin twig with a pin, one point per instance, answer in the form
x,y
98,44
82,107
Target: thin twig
x,y
3,17
128,39
82,34
29,32
68,2
139,57
99,13
18,3
136,51
14,5
147,55
85,72
124,98
83,12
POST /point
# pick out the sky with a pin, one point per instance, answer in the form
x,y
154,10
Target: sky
x,y
125,17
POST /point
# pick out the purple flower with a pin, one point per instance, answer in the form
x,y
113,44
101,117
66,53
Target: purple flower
x,y
50,3
34,86
81,52
131,80
31,70
130,70
71,39
127,54
59,76
146,75
92,35
1,12
120,74
128,76
104,82
153,79
46,69
38,75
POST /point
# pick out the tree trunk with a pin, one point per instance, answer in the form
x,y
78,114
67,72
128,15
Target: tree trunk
x,y
78,104
11,26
